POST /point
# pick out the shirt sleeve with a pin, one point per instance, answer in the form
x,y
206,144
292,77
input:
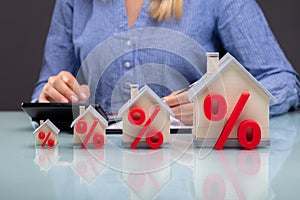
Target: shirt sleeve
x,y
59,50
245,33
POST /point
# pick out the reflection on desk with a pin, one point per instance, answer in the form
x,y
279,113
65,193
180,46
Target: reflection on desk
x,y
88,164
232,174
112,172
46,158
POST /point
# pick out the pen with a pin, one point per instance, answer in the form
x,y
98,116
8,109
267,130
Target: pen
x,y
185,89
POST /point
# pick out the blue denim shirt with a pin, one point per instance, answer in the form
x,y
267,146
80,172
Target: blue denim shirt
x,y
239,27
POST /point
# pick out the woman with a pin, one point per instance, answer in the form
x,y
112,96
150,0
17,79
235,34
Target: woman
x,y
234,26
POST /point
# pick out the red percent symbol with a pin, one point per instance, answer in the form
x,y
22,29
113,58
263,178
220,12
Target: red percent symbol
x,y
82,128
46,139
137,117
215,109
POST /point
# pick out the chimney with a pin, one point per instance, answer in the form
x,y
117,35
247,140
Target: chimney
x,y
134,90
212,62
41,122
81,109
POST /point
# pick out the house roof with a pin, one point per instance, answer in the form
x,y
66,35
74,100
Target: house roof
x,y
145,90
94,112
50,125
225,62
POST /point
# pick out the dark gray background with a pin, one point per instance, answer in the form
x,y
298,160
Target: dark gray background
x,y
24,26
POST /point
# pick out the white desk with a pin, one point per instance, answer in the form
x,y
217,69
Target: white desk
x,y
68,172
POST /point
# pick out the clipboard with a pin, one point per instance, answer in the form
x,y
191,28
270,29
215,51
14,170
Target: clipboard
x,y
63,114
60,114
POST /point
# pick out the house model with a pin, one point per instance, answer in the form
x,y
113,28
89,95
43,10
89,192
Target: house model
x,y
46,134
145,113
226,80
89,120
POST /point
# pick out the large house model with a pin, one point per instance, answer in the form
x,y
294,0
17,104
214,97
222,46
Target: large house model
x,y
87,118
229,79
145,102
46,134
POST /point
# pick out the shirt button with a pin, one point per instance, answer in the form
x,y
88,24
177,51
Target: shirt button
x,y
127,64
128,43
127,85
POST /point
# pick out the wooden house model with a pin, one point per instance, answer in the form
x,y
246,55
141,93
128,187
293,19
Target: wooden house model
x,y
147,102
42,136
229,79
87,118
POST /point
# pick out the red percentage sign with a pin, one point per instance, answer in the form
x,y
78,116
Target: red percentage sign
x,y
46,138
98,138
213,114
137,117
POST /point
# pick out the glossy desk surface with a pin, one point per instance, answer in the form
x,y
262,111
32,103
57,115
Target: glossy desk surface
x,y
176,172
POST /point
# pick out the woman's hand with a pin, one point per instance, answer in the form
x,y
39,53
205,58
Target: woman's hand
x,y
64,88
181,106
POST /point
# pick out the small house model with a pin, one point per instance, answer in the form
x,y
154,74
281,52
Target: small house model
x,y
229,79
84,123
145,113
46,134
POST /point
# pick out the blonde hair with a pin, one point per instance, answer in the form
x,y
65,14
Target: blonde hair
x,y
163,9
